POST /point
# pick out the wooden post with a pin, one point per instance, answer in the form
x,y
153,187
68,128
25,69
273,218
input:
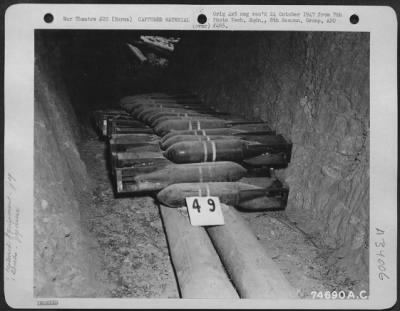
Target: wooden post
x,y
253,272
198,269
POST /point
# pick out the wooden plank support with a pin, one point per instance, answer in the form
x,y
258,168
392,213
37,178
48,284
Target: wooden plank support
x,y
248,264
119,184
199,271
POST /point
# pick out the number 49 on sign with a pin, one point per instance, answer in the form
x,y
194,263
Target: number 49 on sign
x,y
204,211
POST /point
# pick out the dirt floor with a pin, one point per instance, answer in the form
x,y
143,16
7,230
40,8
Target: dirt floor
x,y
134,249
130,234
298,255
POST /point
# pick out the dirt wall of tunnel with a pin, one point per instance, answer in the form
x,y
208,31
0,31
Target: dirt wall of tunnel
x,y
65,262
314,89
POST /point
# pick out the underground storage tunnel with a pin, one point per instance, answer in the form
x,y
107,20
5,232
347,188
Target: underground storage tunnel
x,y
94,239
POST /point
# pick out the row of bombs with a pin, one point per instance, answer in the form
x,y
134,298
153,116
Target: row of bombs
x,y
174,147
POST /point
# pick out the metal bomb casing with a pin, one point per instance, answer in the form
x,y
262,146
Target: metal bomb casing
x,y
185,118
245,196
215,150
204,132
164,127
181,138
156,116
228,192
165,114
143,113
137,180
178,125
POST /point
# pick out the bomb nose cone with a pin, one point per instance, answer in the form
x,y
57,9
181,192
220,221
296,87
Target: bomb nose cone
x,y
157,129
169,153
168,142
177,153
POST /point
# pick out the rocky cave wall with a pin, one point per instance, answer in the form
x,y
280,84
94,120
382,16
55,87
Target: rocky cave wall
x,y
64,258
314,89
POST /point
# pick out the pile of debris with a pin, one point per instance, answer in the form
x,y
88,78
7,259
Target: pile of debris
x,y
153,49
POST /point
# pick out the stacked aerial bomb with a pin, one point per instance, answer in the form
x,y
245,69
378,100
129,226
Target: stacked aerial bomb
x,y
101,118
171,144
110,122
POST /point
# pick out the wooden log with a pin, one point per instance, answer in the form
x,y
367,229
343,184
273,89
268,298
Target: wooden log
x,y
199,271
253,272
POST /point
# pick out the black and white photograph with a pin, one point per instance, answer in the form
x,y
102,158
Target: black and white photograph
x,y
130,123
202,164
